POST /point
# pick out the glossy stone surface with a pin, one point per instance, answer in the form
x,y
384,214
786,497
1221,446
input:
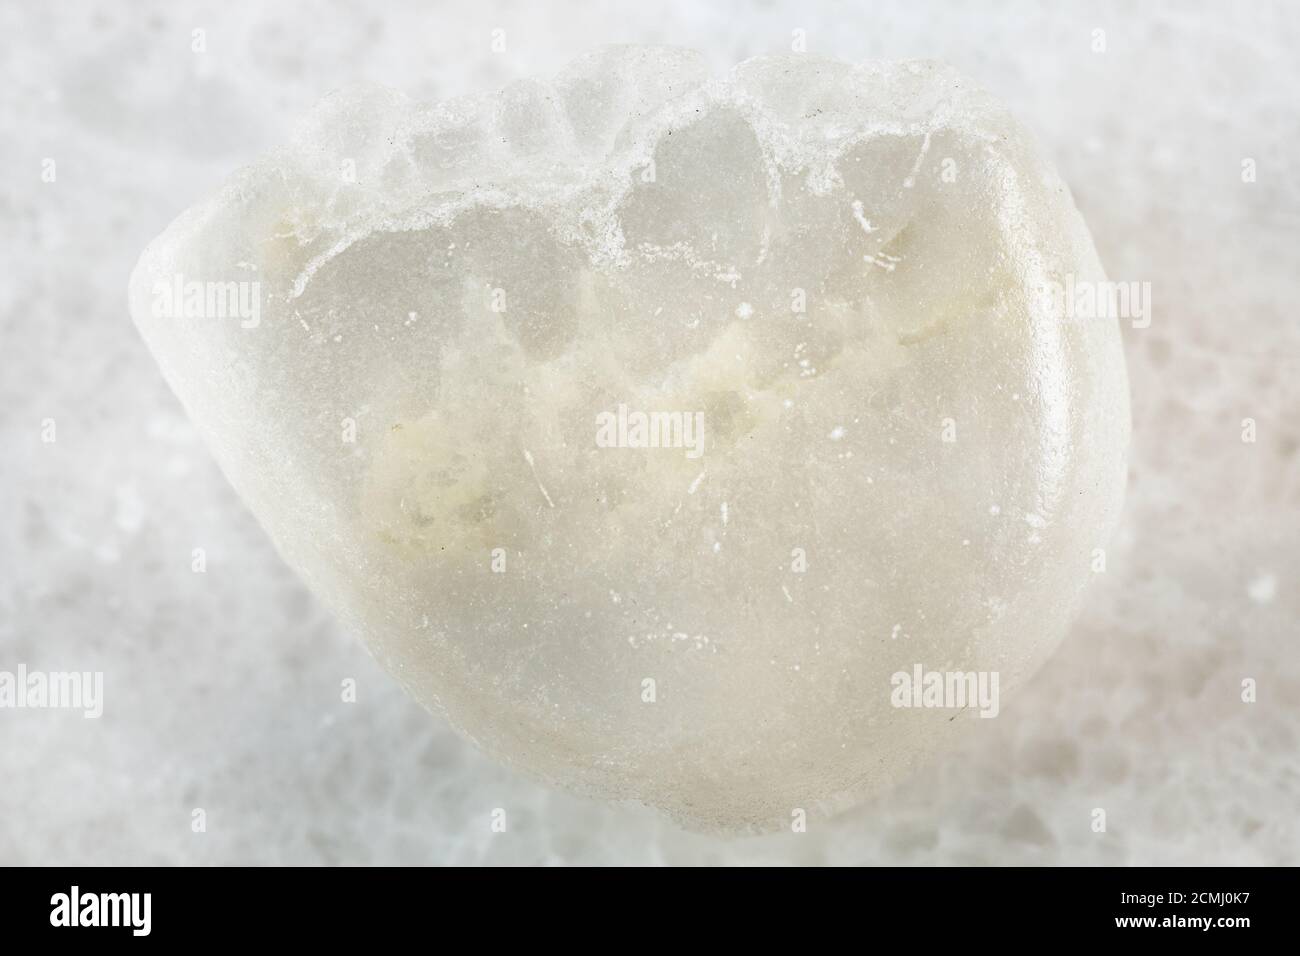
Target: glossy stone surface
x,y
904,456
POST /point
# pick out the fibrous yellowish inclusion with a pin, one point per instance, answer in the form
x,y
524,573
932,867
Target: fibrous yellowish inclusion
x,y
436,487
447,483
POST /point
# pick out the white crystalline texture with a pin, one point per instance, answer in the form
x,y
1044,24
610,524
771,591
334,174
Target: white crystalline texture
x,y
908,458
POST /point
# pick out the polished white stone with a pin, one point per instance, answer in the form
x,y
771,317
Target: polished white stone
x,y
862,441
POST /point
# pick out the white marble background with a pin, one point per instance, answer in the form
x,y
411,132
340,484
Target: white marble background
x,y
222,688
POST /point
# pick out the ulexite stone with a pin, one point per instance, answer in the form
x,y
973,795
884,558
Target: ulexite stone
x,y
904,457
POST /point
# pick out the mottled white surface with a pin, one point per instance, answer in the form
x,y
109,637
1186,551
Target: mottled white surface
x,y
222,689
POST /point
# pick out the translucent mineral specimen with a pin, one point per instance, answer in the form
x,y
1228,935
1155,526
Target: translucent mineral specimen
x,y
650,425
